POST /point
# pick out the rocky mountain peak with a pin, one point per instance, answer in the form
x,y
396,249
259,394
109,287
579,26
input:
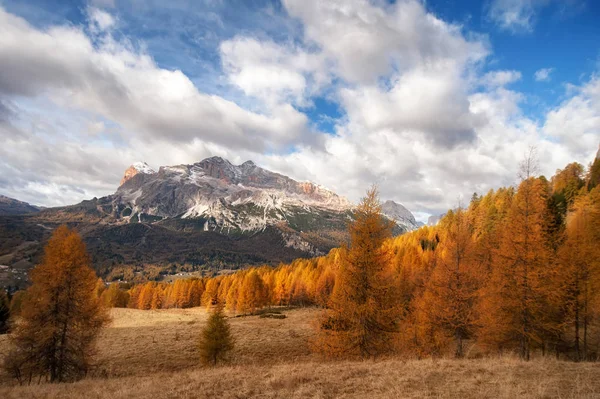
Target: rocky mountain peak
x,y
136,168
399,214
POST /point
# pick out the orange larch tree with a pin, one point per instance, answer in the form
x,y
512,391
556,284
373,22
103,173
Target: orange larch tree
x,y
363,317
61,315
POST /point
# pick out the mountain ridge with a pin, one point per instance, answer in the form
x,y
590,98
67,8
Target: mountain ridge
x,y
209,215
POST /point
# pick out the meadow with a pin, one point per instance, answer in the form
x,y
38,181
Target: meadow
x,y
153,354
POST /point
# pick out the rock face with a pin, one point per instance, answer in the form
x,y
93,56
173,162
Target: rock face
x,y
211,212
398,213
11,206
136,168
229,198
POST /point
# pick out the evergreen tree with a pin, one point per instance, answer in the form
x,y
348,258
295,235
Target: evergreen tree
x,y
216,340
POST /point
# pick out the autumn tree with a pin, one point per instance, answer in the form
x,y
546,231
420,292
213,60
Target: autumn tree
x,y
211,293
446,310
580,271
216,340
363,315
114,297
514,309
251,293
60,315
4,312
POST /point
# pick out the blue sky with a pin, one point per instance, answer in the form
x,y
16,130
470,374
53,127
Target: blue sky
x,y
431,100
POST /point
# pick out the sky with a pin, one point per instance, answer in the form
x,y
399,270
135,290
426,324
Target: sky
x,y
430,100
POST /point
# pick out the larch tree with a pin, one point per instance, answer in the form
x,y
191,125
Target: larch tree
x,y
216,340
60,316
447,306
515,302
363,318
210,295
251,294
580,271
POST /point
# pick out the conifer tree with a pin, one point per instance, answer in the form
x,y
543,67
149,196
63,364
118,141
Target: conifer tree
x,y
60,315
251,293
515,304
216,340
580,271
446,308
363,316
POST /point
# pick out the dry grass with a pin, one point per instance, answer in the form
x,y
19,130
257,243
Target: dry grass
x,y
153,354
139,342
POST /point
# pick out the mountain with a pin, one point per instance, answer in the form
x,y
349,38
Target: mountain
x,y
11,206
228,198
399,214
208,215
434,219
136,168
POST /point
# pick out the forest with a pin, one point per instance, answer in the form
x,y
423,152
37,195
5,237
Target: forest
x,y
515,270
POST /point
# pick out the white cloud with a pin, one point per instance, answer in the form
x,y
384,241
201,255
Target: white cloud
x,y
515,15
543,75
100,20
576,122
272,72
367,41
127,87
418,115
500,78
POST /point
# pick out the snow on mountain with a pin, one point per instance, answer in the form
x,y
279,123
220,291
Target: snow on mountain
x,y
136,168
216,195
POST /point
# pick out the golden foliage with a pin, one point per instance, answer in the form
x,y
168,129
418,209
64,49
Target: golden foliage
x,y
61,314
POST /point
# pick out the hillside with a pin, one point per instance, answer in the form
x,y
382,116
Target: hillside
x,y
210,215
11,206
153,354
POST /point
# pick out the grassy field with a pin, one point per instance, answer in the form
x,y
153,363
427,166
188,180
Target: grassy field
x,y
152,354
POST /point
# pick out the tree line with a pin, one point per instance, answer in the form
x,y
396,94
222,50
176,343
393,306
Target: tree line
x,y
516,269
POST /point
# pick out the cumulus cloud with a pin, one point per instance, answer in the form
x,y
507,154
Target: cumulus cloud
x,y
368,41
419,116
576,122
114,80
543,75
272,72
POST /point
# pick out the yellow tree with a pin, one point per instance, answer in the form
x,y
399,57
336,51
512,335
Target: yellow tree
x,y
210,296
251,294
60,316
515,302
580,270
363,316
446,308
